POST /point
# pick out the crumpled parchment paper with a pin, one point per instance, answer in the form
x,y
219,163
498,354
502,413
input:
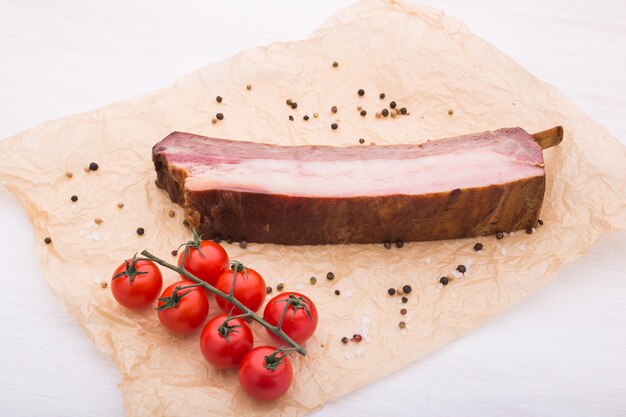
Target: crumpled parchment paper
x,y
420,58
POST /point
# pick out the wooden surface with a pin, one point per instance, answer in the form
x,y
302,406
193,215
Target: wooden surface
x,y
562,352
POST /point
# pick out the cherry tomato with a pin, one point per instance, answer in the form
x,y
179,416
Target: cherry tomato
x,y
250,290
190,307
265,375
207,261
300,320
224,346
136,284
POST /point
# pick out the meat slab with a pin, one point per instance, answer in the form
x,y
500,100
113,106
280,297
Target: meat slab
x,y
464,186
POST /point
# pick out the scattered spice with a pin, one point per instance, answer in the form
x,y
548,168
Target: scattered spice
x,y
402,324
104,284
305,117
363,113
171,213
478,247
330,276
403,311
140,231
356,337
529,231
393,114
93,166
461,268
174,252
268,290
248,87
294,105
74,198
98,220
444,280
334,126
243,244
185,223
291,118
86,169
377,114
450,112
289,101
121,205
403,110
399,244
280,287
393,105
387,245
499,235
333,109
47,241
344,340
316,115
361,92
382,96
229,241
540,222
313,280
407,289
218,99
219,116
359,108
335,64
337,292
391,291
69,174
214,120
405,300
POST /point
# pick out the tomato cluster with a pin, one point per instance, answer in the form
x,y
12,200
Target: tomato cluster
x,y
226,341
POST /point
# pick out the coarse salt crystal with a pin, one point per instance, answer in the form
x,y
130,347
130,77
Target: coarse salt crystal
x,y
347,355
346,294
456,274
429,260
403,332
81,232
299,286
521,247
358,352
502,250
94,236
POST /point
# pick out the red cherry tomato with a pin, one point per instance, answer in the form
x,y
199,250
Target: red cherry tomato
x,y
300,320
265,381
224,346
136,284
250,290
206,262
191,307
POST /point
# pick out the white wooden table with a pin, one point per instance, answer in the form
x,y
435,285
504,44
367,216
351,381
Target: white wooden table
x,y
562,352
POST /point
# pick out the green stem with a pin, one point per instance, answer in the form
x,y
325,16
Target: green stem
x,y
229,297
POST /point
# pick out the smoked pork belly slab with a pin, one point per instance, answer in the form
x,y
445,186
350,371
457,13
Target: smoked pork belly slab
x,y
470,185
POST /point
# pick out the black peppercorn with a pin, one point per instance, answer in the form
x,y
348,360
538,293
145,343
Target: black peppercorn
x,y
337,292
218,99
229,241
402,325
344,340
294,105
399,244
313,280
461,268
387,245
478,247
219,116
47,241
363,113
333,109
391,291
444,280
529,231
93,166
361,141
385,112
305,117
403,110
357,337
407,289
382,96
335,64
185,223
361,92
499,235
330,276
243,244
393,105
403,311
291,118
174,252
268,290
405,300
540,222
217,239
74,198
334,126
140,231
280,286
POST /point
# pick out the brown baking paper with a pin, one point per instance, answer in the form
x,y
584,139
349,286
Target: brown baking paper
x,y
420,58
